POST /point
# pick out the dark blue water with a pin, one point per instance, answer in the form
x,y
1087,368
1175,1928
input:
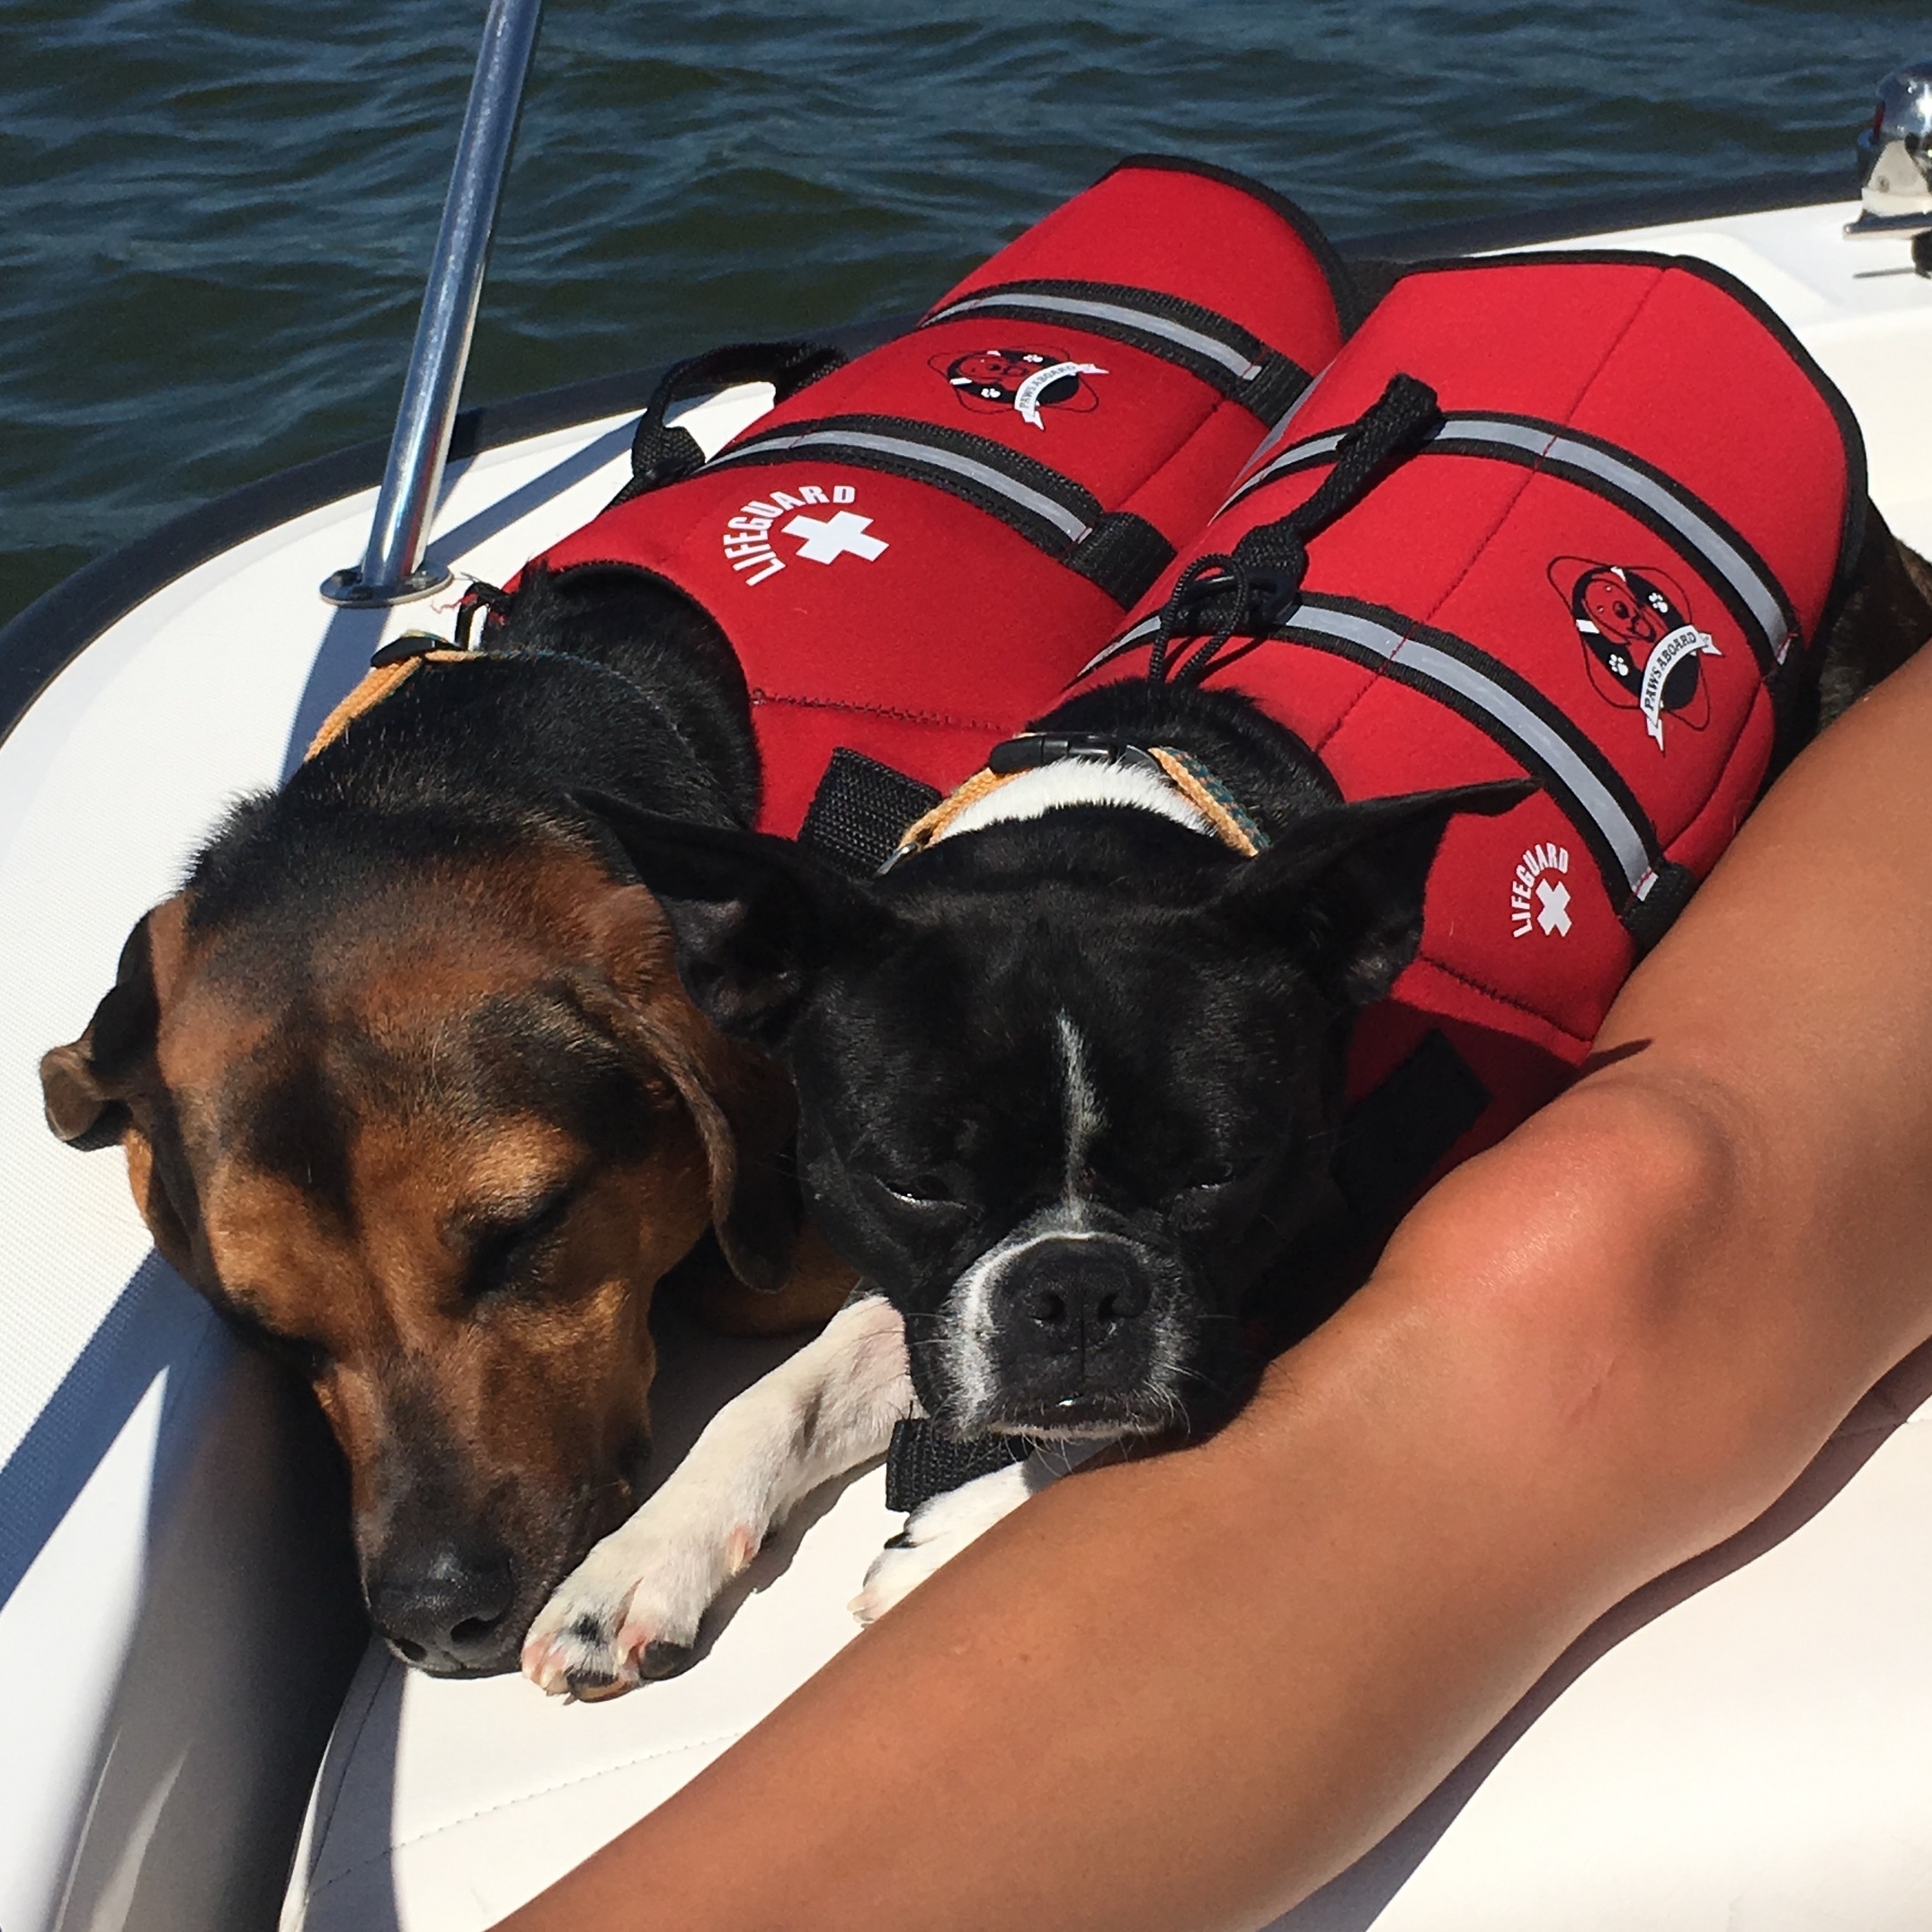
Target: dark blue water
x,y
215,216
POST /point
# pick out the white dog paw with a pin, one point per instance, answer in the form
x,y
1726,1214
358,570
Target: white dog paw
x,y
936,1532
629,1612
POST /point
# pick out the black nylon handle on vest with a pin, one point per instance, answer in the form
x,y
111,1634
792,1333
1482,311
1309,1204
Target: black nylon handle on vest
x,y
861,811
659,455
1260,582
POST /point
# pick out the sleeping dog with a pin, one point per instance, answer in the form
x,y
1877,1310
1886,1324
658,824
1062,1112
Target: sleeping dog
x,y
405,1074
408,1087
1071,1079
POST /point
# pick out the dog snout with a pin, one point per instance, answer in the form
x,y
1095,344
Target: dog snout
x,y
1069,1337
446,1609
1074,1295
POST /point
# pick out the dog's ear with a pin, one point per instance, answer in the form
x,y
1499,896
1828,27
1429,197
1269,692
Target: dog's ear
x,y
87,1086
756,917
1345,890
86,1083
744,1107
740,1099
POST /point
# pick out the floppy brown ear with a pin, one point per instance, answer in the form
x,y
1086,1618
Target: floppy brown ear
x,y
740,1100
745,1112
86,1084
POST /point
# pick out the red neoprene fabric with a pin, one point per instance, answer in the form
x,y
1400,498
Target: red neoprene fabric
x,y
946,628
1569,588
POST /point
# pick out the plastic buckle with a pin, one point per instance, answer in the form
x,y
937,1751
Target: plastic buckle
x,y
1033,749
400,650
1275,592
1187,610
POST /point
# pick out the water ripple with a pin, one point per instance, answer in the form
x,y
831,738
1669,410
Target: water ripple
x,y
218,214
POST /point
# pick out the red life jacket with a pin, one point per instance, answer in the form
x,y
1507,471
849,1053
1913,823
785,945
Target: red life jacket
x,y
914,554
1603,568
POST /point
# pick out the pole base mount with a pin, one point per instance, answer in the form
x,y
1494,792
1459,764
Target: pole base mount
x,y
348,588
1871,226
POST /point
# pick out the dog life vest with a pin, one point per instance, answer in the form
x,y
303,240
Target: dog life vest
x,y
1603,566
914,552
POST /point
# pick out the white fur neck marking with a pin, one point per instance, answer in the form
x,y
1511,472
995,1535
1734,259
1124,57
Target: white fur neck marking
x,y
1078,781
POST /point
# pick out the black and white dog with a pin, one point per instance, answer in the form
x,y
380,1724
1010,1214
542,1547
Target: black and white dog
x,y
1070,1083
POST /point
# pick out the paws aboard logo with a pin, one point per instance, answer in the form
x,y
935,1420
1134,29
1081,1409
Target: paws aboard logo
x,y
1539,900
1642,647
821,538
1026,381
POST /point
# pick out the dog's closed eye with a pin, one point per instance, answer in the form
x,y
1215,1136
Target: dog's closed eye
x,y
930,1196
308,1359
249,1311
1220,1174
1216,1189
929,1190
509,1252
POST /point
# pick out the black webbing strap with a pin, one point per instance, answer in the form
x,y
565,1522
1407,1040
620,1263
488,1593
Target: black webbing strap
x,y
1693,528
1648,919
659,455
1124,557
1118,552
861,811
489,601
1207,344
1246,594
924,1462
1392,1138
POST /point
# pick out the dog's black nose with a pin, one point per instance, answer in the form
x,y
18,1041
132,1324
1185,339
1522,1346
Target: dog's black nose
x,y
1073,1294
446,1609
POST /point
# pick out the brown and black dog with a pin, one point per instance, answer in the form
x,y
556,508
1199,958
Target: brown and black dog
x,y
408,1086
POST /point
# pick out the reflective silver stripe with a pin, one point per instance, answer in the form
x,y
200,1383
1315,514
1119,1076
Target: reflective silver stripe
x,y
1759,598
1141,633
1057,514
1623,837
1291,458
1756,596
1115,312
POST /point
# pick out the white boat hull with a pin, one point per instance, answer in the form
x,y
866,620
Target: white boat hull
x,y
1743,1749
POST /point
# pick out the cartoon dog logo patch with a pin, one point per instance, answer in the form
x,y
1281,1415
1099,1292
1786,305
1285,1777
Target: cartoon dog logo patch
x,y
1643,651
1025,380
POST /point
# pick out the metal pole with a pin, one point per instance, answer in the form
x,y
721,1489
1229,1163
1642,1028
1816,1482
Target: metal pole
x,y
392,569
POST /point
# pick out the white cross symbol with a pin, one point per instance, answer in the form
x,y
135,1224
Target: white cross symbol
x,y
1554,917
835,537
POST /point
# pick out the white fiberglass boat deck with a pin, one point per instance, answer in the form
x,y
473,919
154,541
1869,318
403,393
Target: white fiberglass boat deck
x,y
1742,1747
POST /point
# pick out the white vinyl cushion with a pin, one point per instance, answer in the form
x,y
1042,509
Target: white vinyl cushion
x,y
1760,1759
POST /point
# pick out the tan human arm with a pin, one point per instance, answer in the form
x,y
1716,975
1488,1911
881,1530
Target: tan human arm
x,y
1180,1693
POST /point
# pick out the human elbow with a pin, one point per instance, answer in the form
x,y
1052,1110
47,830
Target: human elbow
x,y
1594,1279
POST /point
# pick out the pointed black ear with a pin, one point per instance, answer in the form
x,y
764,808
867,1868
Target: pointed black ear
x,y
755,916
1345,889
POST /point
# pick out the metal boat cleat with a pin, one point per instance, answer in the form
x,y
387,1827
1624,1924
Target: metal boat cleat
x,y
1895,159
